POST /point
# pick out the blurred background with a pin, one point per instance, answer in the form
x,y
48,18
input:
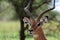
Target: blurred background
x,y
13,28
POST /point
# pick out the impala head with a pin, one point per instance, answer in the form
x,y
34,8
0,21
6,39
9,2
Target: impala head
x,y
38,22
34,23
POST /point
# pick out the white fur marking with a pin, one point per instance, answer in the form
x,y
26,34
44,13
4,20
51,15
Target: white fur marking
x,y
35,35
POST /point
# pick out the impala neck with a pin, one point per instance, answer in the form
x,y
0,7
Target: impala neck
x,y
38,34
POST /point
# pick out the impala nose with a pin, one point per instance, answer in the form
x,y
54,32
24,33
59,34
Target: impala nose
x,y
31,31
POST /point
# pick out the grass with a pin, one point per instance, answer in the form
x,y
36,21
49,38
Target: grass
x,y
10,31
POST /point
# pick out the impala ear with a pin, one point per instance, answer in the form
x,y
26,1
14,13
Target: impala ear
x,y
45,19
26,20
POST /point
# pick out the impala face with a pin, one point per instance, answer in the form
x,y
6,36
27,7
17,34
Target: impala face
x,y
34,24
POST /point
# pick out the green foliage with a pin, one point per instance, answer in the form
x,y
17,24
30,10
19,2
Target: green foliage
x,y
7,10
10,31
10,11
52,15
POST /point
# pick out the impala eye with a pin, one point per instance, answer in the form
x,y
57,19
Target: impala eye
x,y
38,24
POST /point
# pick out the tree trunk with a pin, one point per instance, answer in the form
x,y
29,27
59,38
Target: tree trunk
x,y
22,34
19,8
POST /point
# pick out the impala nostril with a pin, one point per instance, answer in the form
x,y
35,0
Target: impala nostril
x,y
30,31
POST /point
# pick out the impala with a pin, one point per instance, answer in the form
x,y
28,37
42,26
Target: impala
x,y
36,24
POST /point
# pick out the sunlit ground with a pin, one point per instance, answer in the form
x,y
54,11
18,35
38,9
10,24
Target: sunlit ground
x,y
10,31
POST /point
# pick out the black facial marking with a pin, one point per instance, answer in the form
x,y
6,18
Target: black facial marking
x,y
38,24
